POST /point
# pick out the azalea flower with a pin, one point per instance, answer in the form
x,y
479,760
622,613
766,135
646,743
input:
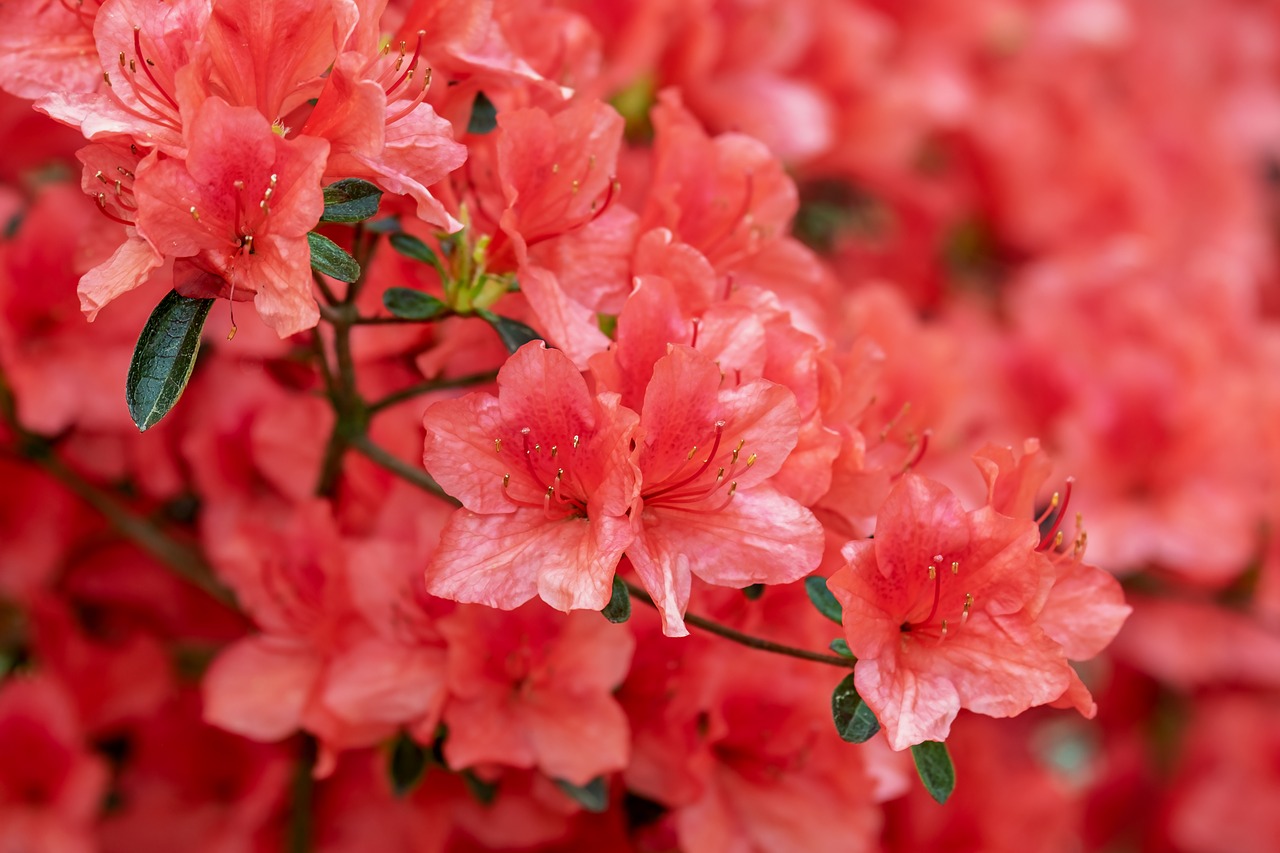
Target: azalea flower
x,y
941,609
546,481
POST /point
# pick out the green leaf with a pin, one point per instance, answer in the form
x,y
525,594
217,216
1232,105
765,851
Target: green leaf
x,y
513,333
484,115
385,225
350,200
854,721
411,247
163,359
407,764
841,647
933,763
409,304
328,258
483,791
619,607
608,324
753,592
593,796
823,599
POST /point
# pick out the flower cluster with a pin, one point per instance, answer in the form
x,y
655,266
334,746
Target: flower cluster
x,y
660,426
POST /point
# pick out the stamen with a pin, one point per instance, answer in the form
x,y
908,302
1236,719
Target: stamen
x,y
497,445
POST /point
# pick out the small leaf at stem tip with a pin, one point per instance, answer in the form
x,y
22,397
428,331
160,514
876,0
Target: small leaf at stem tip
x,y
385,225
854,721
933,764
753,592
593,796
350,200
407,764
484,115
164,357
823,599
413,248
513,333
619,607
841,647
409,304
483,791
329,259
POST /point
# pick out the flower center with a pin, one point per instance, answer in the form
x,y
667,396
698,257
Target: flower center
x,y
945,625
683,488
553,470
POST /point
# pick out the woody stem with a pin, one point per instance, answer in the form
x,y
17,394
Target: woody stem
x,y
747,639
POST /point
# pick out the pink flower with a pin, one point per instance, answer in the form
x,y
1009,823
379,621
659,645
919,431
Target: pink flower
x,y
534,689
705,452
544,474
236,213
940,610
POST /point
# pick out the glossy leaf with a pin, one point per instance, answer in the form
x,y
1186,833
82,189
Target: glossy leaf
x,y
822,599
933,764
409,304
164,357
841,647
619,607
350,200
328,258
412,247
854,721
513,333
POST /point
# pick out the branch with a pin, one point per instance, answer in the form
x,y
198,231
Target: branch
x,y
411,474
746,639
431,385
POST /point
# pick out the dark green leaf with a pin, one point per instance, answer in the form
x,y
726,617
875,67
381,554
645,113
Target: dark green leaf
x,y
854,720
593,796
484,115
409,304
513,333
841,647
619,607
753,592
407,765
385,225
933,763
483,791
328,258
823,599
350,200
411,247
164,357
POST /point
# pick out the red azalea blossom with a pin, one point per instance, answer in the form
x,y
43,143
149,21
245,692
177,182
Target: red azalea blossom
x,y
234,215
941,611
544,474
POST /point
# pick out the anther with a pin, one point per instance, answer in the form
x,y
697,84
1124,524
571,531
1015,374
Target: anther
x,y
122,59
575,442
239,185
751,460
555,168
955,567
195,214
497,445
944,627
554,449
933,573
106,78
692,451
506,480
